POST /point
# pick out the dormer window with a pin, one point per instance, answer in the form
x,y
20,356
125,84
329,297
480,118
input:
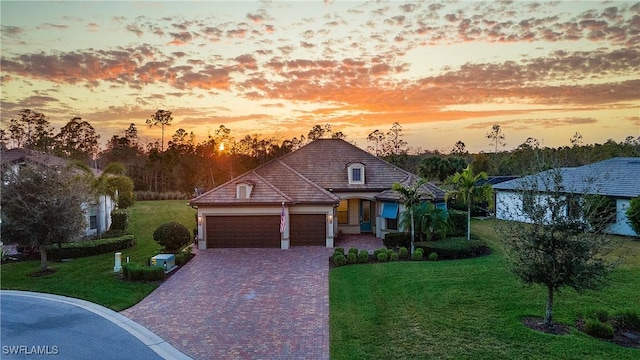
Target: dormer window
x,y
243,190
356,173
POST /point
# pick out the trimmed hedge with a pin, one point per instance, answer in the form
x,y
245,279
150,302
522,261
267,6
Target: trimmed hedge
x,y
454,248
399,239
80,249
138,272
172,236
119,220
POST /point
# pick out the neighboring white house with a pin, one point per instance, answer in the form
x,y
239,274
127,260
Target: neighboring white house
x,y
616,178
305,198
97,214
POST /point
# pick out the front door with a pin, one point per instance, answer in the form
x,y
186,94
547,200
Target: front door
x,y
365,216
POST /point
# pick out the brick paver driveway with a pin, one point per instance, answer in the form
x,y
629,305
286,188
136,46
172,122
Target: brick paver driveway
x,y
244,303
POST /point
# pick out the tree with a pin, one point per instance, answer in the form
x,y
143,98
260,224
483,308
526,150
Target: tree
x,y
496,136
554,250
467,188
32,131
633,214
42,205
396,141
429,220
459,148
377,138
160,118
77,140
411,196
436,167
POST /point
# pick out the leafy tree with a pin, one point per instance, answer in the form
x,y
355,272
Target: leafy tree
x,y
467,188
496,136
77,140
160,118
32,131
429,220
41,206
633,214
411,196
436,167
554,250
459,148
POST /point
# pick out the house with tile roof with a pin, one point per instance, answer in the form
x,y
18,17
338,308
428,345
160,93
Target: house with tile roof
x,y
305,198
98,214
616,178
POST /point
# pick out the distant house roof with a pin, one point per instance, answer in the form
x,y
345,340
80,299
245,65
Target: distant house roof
x,y
17,156
617,177
493,180
312,174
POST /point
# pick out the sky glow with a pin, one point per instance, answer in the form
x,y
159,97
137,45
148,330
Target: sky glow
x,y
446,71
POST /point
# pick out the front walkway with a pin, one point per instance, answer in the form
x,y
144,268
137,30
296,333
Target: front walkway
x,y
360,241
244,303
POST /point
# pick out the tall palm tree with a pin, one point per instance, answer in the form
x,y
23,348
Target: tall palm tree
x,y
411,196
466,187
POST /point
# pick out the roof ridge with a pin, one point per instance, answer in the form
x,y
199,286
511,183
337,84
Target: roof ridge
x,y
306,179
271,185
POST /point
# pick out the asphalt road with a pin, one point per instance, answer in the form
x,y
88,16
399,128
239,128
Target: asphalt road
x,y
36,326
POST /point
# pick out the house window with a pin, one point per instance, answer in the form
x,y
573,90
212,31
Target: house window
x,y
356,173
343,212
93,222
392,224
243,191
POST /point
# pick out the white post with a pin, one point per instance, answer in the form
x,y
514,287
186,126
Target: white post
x,y
118,262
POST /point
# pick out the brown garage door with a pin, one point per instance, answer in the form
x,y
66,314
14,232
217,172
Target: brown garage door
x,y
308,230
243,231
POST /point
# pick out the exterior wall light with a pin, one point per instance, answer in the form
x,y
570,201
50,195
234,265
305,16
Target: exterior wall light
x,y
199,220
330,218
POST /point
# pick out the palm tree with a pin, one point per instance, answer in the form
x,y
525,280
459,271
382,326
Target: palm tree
x,y
411,196
467,188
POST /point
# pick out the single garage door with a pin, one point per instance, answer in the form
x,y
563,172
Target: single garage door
x,y
243,231
308,229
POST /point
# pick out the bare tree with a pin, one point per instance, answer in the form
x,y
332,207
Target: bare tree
x,y
496,136
160,118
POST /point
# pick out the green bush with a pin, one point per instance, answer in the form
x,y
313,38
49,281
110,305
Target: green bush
x,y
172,236
138,272
403,253
398,239
126,200
80,249
389,252
152,195
599,329
338,250
633,214
393,257
382,257
184,256
363,257
417,255
433,256
119,220
457,223
379,251
339,259
628,319
454,248
352,258
353,250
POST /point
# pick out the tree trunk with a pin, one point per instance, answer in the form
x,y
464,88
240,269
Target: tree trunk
x,y
413,234
548,316
43,258
469,221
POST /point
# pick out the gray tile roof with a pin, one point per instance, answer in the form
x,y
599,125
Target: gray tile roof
x,y
617,177
310,175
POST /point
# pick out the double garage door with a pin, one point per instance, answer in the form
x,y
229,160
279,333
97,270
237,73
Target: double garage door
x,y
264,231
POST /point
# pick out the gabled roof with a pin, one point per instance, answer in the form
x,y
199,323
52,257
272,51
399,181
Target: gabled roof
x,y
311,175
618,177
17,156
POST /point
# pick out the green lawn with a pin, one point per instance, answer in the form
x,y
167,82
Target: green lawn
x,y
466,309
92,278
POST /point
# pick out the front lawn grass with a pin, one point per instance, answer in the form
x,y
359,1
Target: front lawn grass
x,y
92,278
463,309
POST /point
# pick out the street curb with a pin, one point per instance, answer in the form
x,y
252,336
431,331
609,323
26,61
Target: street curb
x,y
153,341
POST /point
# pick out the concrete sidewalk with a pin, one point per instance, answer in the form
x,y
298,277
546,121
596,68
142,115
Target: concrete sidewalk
x,y
41,325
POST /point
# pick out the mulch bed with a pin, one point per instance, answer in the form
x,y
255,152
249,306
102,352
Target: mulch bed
x,y
536,323
619,337
39,273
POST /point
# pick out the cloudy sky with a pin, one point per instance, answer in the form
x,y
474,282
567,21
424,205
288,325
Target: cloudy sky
x,y
446,71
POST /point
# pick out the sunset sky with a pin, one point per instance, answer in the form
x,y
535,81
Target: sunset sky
x,y
446,71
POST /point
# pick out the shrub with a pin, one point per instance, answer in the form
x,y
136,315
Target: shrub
x,y
378,251
137,272
394,240
599,329
339,259
363,257
353,250
628,319
184,256
352,258
80,249
119,220
338,250
458,223
393,257
126,200
172,236
382,257
633,214
417,255
433,256
403,253
389,252
454,248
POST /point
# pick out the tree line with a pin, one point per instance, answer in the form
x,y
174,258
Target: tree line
x,y
184,164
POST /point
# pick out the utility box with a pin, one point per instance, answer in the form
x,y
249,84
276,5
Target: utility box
x,y
165,261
